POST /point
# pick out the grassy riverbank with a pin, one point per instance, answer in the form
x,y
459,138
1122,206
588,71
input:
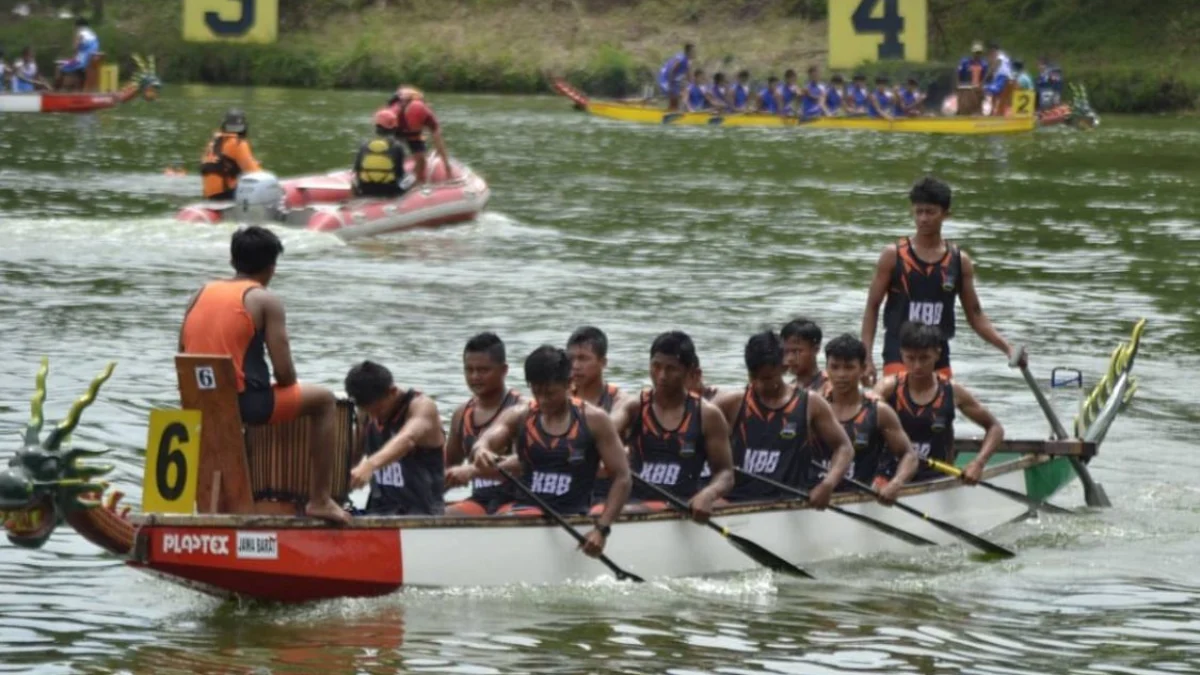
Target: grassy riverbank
x,y
1134,57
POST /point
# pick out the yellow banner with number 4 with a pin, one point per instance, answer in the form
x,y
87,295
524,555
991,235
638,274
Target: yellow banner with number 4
x,y
865,31
172,462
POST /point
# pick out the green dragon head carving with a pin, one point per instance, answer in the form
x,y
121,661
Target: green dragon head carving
x,y
145,78
43,483
1082,115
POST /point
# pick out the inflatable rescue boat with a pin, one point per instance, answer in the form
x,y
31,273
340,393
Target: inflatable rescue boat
x,y
326,203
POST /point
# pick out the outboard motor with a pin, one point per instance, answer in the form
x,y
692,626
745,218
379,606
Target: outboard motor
x,y
258,198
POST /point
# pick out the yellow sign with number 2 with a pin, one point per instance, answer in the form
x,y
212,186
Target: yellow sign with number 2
x,y
172,462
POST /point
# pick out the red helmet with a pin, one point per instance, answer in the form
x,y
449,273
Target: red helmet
x,y
386,119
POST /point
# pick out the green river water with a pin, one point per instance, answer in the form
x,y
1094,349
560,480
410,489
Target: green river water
x,y
637,230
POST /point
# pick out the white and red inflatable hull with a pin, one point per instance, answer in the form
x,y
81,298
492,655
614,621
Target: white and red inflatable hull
x,y
57,103
325,203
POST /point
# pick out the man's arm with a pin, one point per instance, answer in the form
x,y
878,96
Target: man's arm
x,y
993,436
498,436
274,325
625,410
884,389
720,461
822,421
612,455
191,304
422,423
973,308
729,402
245,158
899,444
884,268
454,451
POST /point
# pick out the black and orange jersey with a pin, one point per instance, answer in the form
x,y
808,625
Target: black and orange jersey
x,y
921,292
484,490
867,441
669,458
412,485
817,383
218,323
608,396
930,427
771,442
559,469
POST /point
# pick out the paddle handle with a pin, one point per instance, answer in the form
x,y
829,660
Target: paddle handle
x,y
948,469
1056,425
675,501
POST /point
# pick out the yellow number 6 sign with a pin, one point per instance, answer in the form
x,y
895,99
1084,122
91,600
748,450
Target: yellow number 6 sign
x,y
865,31
172,462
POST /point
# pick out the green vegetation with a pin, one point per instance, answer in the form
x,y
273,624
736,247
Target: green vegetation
x,y
1133,56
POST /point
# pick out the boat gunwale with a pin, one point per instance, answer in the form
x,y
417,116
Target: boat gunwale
x,y
255,521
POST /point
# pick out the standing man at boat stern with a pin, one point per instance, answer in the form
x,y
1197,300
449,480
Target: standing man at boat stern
x,y
401,440
674,73
926,401
672,432
414,117
920,277
241,319
560,442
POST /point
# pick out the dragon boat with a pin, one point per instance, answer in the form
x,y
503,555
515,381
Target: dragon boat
x,y
1022,119
144,82
221,502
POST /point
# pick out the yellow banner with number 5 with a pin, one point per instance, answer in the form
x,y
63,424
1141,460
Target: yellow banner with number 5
x,y
172,462
230,20
865,31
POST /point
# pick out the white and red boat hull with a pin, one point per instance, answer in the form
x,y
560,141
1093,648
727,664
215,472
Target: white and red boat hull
x,y
79,102
326,203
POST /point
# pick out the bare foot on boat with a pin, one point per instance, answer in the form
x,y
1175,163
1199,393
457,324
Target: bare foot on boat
x,y
327,510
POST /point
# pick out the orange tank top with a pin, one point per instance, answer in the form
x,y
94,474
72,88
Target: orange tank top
x,y
219,324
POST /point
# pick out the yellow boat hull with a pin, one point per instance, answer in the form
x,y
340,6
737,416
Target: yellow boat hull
x,y
629,112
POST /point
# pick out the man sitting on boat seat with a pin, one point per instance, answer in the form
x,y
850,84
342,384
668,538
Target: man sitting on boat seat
x,y
835,95
972,69
857,96
1049,84
485,366
909,99
801,344
920,277
769,98
413,118
226,157
741,96
1024,81
1000,81
588,348
671,432
879,102
73,71
813,96
772,423
883,455
241,319
926,402
25,74
789,94
560,441
379,165
402,441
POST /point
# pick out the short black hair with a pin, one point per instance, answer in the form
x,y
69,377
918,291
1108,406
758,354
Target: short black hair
x,y
688,47
253,249
790,72
772,79
743,73
719,77
882,79
803,328
913,80
846,347
487,343
915,335
1018,65
762,350
547,365
860,76
837,78
813,69
590,336
993,45
676,343
80,21
929,190
368,382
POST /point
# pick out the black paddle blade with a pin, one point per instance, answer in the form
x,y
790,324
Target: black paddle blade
x,y
988,547
765,558
1033,503
622,575
905,535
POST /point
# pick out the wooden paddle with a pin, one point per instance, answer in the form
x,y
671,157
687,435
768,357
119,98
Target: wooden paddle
x,y
759,554
866,520
951,470
1093,492
954,530
622,575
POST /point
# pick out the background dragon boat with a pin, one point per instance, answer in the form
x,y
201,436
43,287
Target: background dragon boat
x,y
224,524
144,82
1023,119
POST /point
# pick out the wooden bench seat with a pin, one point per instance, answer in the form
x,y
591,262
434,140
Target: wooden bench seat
x,y
253,469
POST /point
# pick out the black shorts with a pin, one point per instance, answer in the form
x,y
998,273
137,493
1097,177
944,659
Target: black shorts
x,y
256,405
417,146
